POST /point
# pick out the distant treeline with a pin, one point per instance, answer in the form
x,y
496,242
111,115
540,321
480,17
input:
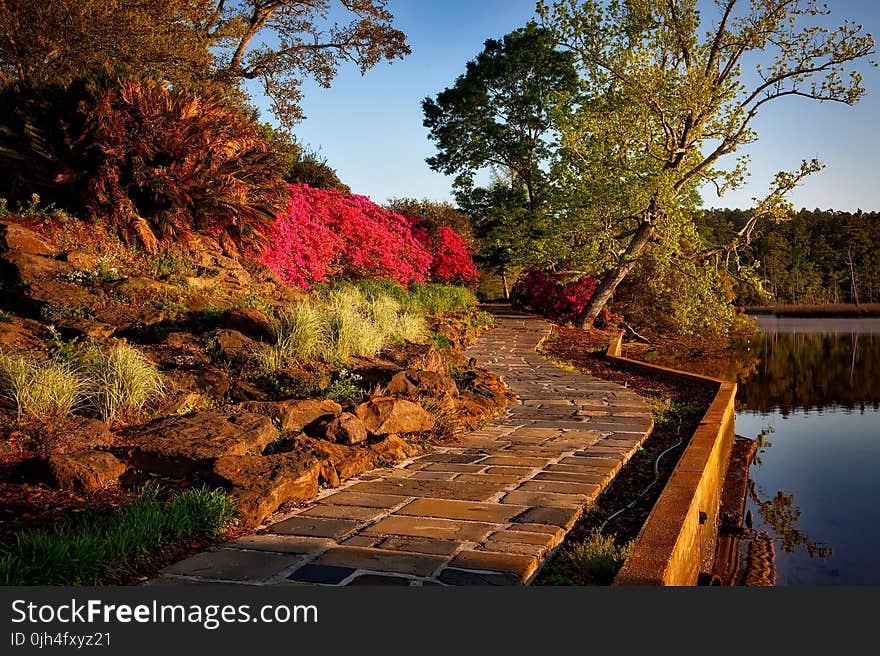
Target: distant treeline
x,y
817,257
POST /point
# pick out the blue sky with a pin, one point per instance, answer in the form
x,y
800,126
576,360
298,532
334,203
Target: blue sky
x,y
370,127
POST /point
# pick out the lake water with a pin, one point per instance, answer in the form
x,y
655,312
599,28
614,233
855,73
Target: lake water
x,y
813,399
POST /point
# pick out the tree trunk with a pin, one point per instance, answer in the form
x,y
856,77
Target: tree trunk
x,y
504,283
616,275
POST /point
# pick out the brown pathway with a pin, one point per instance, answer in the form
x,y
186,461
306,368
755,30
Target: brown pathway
x,y
485,512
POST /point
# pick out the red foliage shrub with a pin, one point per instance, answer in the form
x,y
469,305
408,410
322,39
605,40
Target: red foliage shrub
x,y
326,233
452,262
557,297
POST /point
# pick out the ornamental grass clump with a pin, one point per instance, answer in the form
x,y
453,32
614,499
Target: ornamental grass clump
x,y
595,561
40,387
121,381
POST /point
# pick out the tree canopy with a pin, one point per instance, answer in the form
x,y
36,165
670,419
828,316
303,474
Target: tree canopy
x,y
276,43
665,101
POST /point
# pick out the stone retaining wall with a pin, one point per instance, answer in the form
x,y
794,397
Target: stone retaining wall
x,y
677,541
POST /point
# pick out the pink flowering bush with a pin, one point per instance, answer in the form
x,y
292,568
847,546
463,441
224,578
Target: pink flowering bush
x,y
557,297
325,233
452,262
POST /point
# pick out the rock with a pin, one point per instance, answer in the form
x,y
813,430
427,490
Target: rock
x,y
74,434
82,261
245,391
249,321
339,462
181,403
128,317
183,341
21,334
139,288
429,383
262,483
345,429
85,328
383,415
14,237
235,346
20,268
85,470
191,444
210,380
293,415
373,372
393,449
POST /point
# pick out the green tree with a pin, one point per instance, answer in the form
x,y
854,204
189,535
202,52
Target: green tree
x,y
433,215
499,112
664,103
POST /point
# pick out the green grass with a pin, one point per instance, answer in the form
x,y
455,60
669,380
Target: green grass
x,y
94,549
40,387
121,381
594,561
440,300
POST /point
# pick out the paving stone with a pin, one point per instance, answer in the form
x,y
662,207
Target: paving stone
x,y
516,564
233,565
281,543
465,490
514,461
420,545
429,527
518,548
590,490
326,574
346,498
525,498
525,537
451,576
379,580
434,476
344,512
469,510
493,478
383,560
566,477
361,541
451,458
318,527
453,467
553,516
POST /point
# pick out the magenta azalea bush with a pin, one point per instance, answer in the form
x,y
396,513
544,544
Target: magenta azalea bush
x,y
325,233
557,296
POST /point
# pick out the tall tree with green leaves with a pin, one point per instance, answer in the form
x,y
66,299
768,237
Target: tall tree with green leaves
x,y
499,113
665,102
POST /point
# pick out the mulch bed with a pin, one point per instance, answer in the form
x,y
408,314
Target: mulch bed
x,y
585,351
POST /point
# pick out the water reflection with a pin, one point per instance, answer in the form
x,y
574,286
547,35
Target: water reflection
x,y
818,393
800,371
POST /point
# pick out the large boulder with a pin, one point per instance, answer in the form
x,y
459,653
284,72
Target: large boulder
x,y
384,415
14,237
293,415
260,484
393,449
22,334
249,321
345,429
339,462
235,346
209,380
74,434
414,383
179,446
19,268
85,329
85,470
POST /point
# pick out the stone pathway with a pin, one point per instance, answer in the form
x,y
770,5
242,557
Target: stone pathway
x,y
488,511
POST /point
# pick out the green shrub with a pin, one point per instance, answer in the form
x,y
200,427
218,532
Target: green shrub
x,y
347,386
595,561
121,381
97,548
40,387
